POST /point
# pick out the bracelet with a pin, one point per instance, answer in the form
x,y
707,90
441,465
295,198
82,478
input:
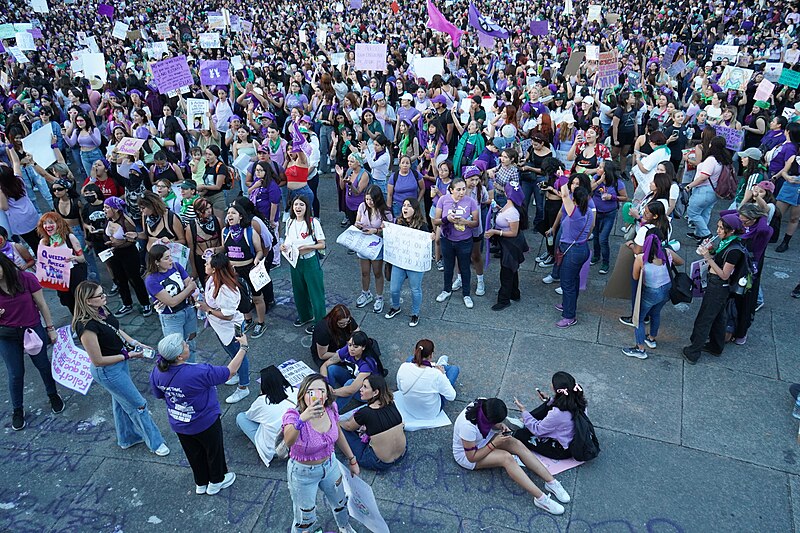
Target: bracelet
x,y
501,233
50,328
244,347
353,460
491,446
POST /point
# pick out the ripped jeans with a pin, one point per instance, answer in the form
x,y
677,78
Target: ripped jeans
x,y
304,480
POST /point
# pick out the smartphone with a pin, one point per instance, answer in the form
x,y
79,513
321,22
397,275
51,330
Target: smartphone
x,y
541,394
148,353
506,432
237,330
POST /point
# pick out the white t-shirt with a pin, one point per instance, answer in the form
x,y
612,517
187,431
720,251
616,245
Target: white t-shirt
x,y
421,388
297,234
464,430
269,417
711,168
650,162
227,302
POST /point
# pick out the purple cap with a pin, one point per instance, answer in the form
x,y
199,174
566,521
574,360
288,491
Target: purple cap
x,y
234,117
137,92
468,172
514,193
439,99
733,221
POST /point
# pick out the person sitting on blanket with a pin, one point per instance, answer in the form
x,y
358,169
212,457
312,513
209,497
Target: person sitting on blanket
x,y
549,429
426,385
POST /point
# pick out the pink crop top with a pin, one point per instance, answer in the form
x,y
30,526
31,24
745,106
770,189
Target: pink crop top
x,y
311,445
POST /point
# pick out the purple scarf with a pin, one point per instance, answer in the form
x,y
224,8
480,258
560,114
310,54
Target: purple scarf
x,y
484,426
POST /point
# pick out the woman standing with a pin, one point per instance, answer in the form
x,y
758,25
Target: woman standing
x,y
703,197
311,431
608,190
577,220
426,385
17,206
68,206
190,392
203,234
54,232
726,265
161,225
170,287
405,183
788,198
509,223
411,216
22,307
82,133
109,350
297,169
372,214
354,183
304,238
214,180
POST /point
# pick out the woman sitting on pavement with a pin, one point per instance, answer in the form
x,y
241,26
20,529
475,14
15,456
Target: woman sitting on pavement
x,y
375,432
359,352
481,440
426,385
332,333
550,428
262,422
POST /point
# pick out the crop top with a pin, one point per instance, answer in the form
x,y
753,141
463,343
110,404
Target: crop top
x,y
296,174
311,445
90,140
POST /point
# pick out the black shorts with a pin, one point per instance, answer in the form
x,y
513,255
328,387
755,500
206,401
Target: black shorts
x,y
626,138
244,274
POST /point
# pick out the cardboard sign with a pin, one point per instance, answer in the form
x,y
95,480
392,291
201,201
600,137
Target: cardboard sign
x,y
722,51
790,78
407,248
594,12
38,145
574,63
129,146
608,71
171,74
764,90
70,366
428,67
215,72
370,56
134,35
366,245
120,30
735,78
733,137
772,71
210,40
197,114
53,267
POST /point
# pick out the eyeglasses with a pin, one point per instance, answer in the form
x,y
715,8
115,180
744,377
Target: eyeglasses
x,y
101,295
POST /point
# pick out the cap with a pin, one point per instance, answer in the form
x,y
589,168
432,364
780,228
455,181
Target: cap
x,y
733,221
766,185
262,148
569,119
470,171
142,132
306,119
588,100
378,96
407,96
188,185
171,346
752,153
267,114
439,99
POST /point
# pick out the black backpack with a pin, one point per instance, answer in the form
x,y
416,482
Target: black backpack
x,y
374,350
584,445
246,298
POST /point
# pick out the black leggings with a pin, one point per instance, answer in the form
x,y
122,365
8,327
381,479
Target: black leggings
x,y
205,452
125,267
544,446
76,275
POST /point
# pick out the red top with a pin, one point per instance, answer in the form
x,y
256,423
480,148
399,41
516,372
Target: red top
x,y
296,174
108,186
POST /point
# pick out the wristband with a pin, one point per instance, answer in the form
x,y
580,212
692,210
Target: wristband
x,y
353,460
491,446
125,354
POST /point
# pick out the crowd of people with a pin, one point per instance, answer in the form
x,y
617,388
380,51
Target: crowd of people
x,y
516,143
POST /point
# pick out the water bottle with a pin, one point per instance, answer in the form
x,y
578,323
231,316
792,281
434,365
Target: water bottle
x,y
796,411
201,315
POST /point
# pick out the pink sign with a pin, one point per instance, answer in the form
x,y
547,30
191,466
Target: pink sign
x,y
370,56
764,90
53,267
171,74
129,146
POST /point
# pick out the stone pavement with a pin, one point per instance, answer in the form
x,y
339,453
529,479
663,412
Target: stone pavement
x,y
710,447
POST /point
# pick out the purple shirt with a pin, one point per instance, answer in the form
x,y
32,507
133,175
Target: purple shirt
x,y
190,391
404,186
463,208
353,201
170,281
607,206
576,227
365,364
21,310
787,150
264,197
311,445
556,425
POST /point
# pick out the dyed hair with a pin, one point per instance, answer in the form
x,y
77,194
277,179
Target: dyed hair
x,y
306,384
223,273
83,313
62,228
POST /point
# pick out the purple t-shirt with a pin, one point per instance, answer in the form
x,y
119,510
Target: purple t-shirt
x,y
190,391
783,154
404,186
170,281
462,208
607,206
21,310
365,364
576,228
353,201
264,197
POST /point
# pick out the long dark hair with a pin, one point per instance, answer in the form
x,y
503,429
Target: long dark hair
x,y
269,172
378,202
611,173
663,184
274,385
494,409
154,255
568,394
656,207
719,151
581,198
11,276
11,185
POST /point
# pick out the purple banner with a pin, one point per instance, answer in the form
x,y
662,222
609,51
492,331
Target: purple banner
x,y
172,73
104,9
669,55
540,27
215,72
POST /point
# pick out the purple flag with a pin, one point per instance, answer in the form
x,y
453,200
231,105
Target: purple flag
x,y
37,33
436,21
215,72
485,40
356,4
540,27
106,10
485,24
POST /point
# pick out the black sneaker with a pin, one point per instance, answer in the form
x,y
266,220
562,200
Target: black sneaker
x,y
56,403
594,260
17,420
147,310
114,289
627,320
688,356
300,323
393,312
259,330
414,321
796,292
247,324
310,329
124,310
603,269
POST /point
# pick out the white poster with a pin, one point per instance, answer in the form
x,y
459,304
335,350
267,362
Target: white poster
x,y
40,6
594,12
91,42
592,52
361,502
772,71
407,248
259,276
180,254
70,365
338,59
216,22
210,40
294,371
18,54
162,29
197,114
38,145
25,41
120,30
722,51
94,68
427,67
366,245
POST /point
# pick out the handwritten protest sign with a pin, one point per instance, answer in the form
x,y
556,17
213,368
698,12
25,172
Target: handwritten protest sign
x,y
215,72
38,145
428,67
70,366
764,90
540,28
94,68
53,267
196,113
134,35
25,41
216,22
669,54
171,74
294,371
722,51
676,68
162,30
180,253
247,26
370,56
235,23
18,55
7,31
210,40
790,78
129,146
40,6
259,276
772,71
594,12
91,42
368,246
608,71
733,137
407,248
735,78
120,30
338,59
361,502
37,33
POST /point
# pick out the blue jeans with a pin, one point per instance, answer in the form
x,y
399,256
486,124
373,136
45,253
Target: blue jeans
x,y
602,231
451,371
91,262
653,300
131,417
12,350
340,376
304,481
381,185
701,202
247,426
414,282
364,453
325,148
302,191
450,251
531,188
570,274
88,159
183,322
34,179
244,369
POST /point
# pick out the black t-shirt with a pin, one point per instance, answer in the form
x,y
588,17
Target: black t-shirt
x,y
378,420
734,255
94,216
210,177
322,336
107,338
627,120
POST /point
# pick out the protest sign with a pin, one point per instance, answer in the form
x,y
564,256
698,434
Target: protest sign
x,y
196,114
772,71
237,63
612,18
247,26
259,276
407,248
215,72
106,10
574,63
361,502
91,42
322,35
366,245
735,78
790,78
428,67
669,54
788,112
302,36
722,51
594,12
291,254
38,145
37,33
235,23
120,30
40,6
294,371
540,28
733,137
129,146
676,68
764,90
53,267
22,26
180,253
607,72
210,40
592,52
216,22
171,74
370,56
70,366
134,35
7,31
338,7
94,68
338,59
25,41
162,30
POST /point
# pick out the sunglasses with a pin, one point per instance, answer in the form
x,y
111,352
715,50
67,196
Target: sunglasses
x,y
58,189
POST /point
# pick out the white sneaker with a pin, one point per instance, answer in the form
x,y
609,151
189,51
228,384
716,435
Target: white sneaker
x,y
548,279
364,299
457,283
468,302
200,489
228,480
545,503
559,290
442,361
481,289
558,491
444,295
238,396
162,451
377,307
233,381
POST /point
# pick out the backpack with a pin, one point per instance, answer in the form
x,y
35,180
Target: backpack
x,y
726,183
248,237
393,179
744,282
584,445
682,204
246,297
230,178
374,350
